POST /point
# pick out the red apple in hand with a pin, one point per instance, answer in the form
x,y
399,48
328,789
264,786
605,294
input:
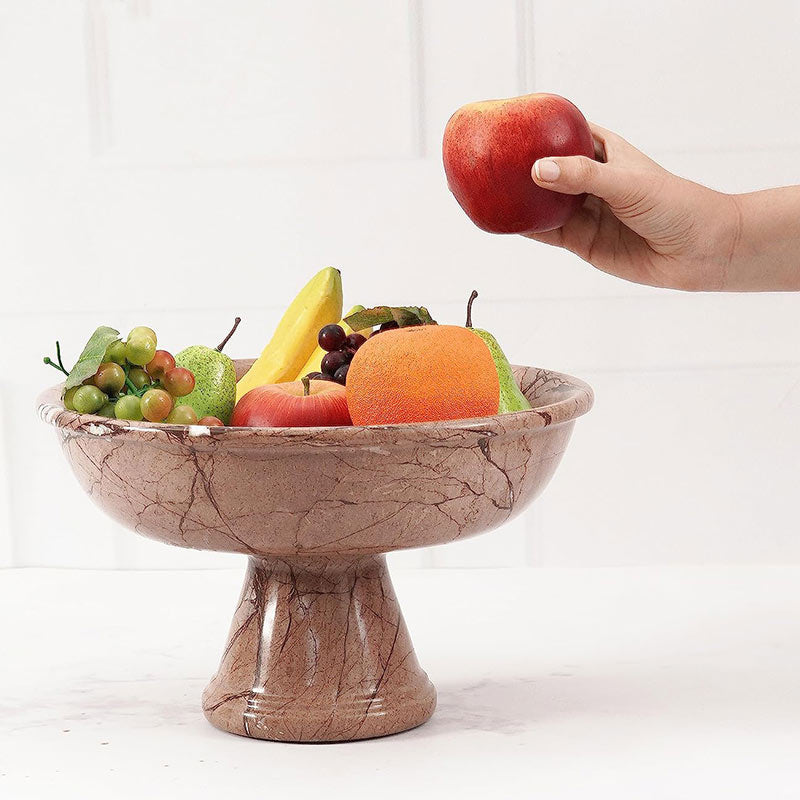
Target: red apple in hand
x,y
489,149
299,404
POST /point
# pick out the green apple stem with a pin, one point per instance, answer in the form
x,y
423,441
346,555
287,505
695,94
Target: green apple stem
x,y
232,331
469,308
306,381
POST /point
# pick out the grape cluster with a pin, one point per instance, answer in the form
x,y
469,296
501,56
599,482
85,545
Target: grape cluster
x,y
340,349
136,381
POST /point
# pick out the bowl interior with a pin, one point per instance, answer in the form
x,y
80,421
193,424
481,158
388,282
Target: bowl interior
x,y
555,397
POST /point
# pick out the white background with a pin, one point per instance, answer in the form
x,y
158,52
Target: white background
x,y
176,163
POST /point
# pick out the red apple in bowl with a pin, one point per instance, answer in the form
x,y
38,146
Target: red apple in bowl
x,y
299,404
489,149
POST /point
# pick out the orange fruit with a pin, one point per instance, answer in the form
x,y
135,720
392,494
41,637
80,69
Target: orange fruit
x,y
422,374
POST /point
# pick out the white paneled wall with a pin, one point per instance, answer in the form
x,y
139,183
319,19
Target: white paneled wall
x,y
676,75
175,163
193,81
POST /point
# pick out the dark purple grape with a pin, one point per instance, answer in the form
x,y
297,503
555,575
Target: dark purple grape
x,y
332,361
354,341
314,376
331,337
341,374
386,326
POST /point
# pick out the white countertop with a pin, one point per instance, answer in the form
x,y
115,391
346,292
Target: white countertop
x,y
553,683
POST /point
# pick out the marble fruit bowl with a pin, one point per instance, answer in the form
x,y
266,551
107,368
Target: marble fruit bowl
x,y
318,650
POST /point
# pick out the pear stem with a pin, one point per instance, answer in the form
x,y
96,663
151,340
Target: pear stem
x,y
232,331
469,307
306,381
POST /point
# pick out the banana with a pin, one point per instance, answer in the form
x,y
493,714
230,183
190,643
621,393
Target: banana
x,y
318,303
312,365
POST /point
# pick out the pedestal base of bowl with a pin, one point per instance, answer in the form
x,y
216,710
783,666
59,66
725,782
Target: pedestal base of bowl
x,y
318,652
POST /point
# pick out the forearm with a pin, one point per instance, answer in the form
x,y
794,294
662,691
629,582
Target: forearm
x,y
765,248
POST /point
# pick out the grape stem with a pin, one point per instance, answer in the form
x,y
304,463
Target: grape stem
x,y
232,331
131,385
58,356
60,365
469,308
51,363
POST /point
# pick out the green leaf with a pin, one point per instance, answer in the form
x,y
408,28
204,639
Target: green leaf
x,y
419,313
402,315
91,357
369,317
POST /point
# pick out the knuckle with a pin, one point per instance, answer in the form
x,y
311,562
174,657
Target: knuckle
x,y
585,170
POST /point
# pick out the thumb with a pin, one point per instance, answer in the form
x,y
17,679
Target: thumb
x,y
579,174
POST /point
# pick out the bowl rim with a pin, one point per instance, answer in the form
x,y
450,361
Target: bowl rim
x,y
577,400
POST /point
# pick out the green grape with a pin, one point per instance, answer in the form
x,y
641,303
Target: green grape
x,y
89,399
139,378
109,378
116,352
156,405
128,407
140,349
108,410
143,330
68,404
182,415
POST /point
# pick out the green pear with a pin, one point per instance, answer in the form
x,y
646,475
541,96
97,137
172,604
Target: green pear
x,y
214,393
511,397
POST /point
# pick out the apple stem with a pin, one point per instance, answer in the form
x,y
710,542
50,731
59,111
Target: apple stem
x,y
232,331
306,381
469,307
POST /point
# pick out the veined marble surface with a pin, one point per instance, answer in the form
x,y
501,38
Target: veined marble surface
x,y
583,683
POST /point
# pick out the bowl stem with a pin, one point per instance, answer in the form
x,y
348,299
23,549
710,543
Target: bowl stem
x,y
318,651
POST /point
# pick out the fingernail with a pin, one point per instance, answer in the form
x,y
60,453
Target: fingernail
x,y
546,170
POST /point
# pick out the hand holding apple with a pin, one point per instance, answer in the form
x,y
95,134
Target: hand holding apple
x,y
489,149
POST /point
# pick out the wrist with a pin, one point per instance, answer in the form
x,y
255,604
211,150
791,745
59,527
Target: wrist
x,y
729,239
766,240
